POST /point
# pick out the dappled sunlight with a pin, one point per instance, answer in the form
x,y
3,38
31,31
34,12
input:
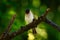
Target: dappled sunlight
x,y
42,32
11,12
36,3
41,26
31,36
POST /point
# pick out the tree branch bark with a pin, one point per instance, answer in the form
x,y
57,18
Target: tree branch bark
x,y
52,24
5,33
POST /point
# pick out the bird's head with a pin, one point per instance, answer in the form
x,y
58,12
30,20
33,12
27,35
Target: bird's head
x,y
27,11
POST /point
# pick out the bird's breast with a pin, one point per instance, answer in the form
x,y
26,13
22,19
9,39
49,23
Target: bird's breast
x,y
29,18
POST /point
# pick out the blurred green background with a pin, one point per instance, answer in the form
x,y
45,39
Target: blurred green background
x,y
10,7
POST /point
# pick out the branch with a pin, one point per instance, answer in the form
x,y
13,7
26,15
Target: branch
x,y
31,25
26,28
8,29
45,14
52,24
10,24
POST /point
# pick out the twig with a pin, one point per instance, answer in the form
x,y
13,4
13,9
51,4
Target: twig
x,y
52,24
45,14
8,29
11,22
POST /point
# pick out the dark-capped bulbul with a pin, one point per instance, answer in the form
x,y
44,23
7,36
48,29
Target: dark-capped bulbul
x,y
29,17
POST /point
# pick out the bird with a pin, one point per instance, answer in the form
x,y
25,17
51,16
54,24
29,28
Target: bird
x,y
29,17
